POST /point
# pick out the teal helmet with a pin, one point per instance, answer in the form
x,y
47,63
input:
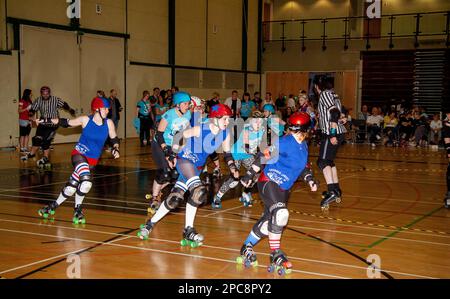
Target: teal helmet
x,y
269,107
181,97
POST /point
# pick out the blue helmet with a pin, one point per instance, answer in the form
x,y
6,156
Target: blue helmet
x,y
269,107
181,97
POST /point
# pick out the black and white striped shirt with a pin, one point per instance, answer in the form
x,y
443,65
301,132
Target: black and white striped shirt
x,y
327,100
48,108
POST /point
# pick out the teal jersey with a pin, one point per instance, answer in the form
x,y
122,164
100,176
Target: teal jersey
x,y
163,109
175,124
144,108
246,108
254,137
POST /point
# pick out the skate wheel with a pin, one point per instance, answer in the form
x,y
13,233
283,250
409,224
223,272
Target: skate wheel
x,y
239,260
281,271
52,212
183,242
270,269
45,215
83,221
148,196
75,220
338,200
247,264
141,226
193,244
325,207
288,271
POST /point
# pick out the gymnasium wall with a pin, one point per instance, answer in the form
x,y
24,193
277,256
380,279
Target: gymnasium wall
x,y
208,35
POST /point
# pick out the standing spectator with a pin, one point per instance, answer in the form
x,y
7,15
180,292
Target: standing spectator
x,y
48,107
247,106
267,101
116,108
161,107
333,134
421,129
280,103
154,99
257,99
212,102
435,130
291,103
234,103
364,113
24,120
146,118
374,122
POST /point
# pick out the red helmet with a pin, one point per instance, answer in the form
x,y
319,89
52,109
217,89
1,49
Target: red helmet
x,y
98,103
219,110
299,121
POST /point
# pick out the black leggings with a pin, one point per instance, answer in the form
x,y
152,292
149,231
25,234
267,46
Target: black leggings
x,y
273,197
145,126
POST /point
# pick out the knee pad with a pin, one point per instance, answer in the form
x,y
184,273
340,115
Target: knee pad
x,y
279,220
198,194
261,229
162,176
174,174
70,188
85,185
174,199
36,140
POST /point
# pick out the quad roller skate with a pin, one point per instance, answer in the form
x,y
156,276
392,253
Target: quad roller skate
x,y
44,163
247,257
146,229
279,263
328,197
447,200
216,203
78,216
48,210
27,156
246,199
154,206
191,238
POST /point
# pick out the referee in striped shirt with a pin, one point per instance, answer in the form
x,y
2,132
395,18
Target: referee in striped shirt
x,y
48,107
331,124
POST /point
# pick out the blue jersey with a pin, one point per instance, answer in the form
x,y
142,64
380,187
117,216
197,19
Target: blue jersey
x,y
285,169
92,139
246,108
197,149
175,124
254,138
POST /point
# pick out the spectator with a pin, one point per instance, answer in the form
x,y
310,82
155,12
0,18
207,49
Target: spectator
x,y
247,106
161,107
374,126
421,129
291,103
391,127
234,103
257,99
154,99
364,113
146,118
267,100
101,94
435,130
214,101
405,129
116,108
24,120
280,103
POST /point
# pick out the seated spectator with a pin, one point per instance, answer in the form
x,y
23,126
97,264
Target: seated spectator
x,y
406,129
421,130
374,122
364,113
435,130
391,128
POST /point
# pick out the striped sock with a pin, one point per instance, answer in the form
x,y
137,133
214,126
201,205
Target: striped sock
x,y
274,241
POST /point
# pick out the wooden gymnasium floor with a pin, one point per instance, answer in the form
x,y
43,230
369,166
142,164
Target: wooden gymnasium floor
x,y
392,207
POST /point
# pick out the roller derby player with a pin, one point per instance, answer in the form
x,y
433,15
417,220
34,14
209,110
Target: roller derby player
x,y
201,141
280,173
446,136
173,121
243,151
47,106
96,129
331,124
